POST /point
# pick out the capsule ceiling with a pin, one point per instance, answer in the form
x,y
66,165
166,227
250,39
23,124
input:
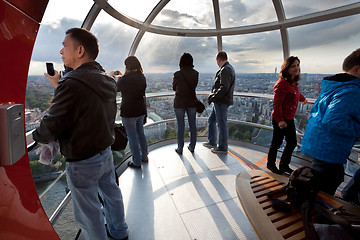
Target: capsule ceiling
x,y
257,35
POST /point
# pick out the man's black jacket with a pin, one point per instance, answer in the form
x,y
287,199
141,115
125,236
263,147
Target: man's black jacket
x,y
82,113
223,87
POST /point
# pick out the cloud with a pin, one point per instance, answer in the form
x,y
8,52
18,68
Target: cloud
x,y
173,18
249,53
324,33
49,40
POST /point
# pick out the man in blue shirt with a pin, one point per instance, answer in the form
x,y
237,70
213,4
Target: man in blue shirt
x,y
334,124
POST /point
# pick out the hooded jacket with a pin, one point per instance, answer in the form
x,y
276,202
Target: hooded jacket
x,y
184,85
82,113
334,123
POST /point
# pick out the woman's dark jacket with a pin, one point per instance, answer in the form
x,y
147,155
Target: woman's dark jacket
x,y
184,84
82,113
132,86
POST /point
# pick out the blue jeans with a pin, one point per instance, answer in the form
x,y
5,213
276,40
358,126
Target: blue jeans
x,y
137,140
351,191
218,116
87,178
180,115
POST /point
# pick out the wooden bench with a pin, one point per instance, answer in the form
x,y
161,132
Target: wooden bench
x,y
252,186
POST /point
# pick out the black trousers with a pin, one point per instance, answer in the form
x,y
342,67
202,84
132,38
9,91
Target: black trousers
x,y
332,175
278,136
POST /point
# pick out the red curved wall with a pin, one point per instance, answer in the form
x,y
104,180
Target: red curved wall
x,y
21,213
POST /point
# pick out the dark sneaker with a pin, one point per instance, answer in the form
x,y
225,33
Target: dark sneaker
x,y
178,151
132,165
208,145
192,151
286,169
218,150
273,169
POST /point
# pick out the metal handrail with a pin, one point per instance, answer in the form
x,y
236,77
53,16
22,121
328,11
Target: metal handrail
x,y
206,93
58,211
67,198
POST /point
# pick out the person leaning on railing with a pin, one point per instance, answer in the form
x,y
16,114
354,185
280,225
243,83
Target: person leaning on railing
x,y
334,123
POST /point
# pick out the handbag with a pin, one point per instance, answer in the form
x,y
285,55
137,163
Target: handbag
x,y
121,139
200,107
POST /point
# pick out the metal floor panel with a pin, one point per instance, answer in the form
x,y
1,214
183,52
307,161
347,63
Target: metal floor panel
x,y
149,209
203,189
188,196
224,220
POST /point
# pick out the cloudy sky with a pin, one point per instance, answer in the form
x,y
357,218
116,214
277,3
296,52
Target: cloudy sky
x,y
321,47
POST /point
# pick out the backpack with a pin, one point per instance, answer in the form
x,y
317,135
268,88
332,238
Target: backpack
x,y
301,191
303,185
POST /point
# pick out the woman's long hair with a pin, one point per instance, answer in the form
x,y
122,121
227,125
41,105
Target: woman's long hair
x,y
186,60
284,70
132,64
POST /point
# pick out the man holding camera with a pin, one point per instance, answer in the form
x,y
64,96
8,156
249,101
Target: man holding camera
x,y
81,118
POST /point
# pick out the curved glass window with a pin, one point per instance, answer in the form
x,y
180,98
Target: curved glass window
x,y
299,8
254,53
160,54
187,14
238,13
52,32
115,39
138,9
322,47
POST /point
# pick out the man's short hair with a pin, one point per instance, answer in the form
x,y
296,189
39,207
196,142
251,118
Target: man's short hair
x,y
352,60
221,56
86,39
